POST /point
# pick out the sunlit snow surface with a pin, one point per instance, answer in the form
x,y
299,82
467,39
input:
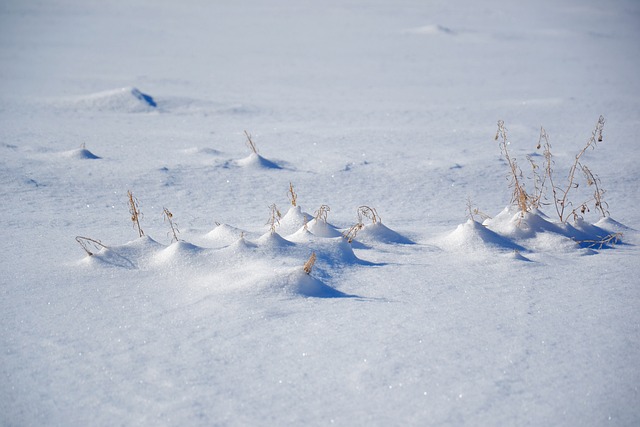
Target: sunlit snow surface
x,y
428,317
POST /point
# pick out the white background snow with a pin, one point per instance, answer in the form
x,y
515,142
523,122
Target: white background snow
x,y
390,104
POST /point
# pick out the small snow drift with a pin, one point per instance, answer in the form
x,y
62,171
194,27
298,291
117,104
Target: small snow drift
x,y
300,283
535,228
512,223
322,228
292,221
177,251
124,100
273,241
256,161
377,232
431,30
131,255
223,235
612,226
196,151
474,236
80,154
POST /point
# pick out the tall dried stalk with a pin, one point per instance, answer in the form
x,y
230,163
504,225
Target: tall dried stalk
x,y
519,196
293,197
250,143
168,216
308,266
134,210
274,218
321,213
561,194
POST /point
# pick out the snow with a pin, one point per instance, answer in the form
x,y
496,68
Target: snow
x,y
433,315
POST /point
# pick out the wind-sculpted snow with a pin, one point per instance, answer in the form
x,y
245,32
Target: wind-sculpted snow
x,y
511,230
123,100
287,300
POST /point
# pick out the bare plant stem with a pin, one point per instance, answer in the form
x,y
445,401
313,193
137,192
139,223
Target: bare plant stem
x,y
562,202
293,197
86,243
134,210
308,266
250,143
168,216
321,213
274,218
519,196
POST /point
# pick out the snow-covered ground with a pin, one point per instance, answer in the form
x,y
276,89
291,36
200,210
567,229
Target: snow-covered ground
x,y
432,315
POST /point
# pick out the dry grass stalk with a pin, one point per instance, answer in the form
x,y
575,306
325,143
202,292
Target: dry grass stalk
x,y
274,218
134,210
519,196
308,266
363,212
545,178
321,213
293,197
86,243
168,216
473,211
250,143
352,232
369,213
561,194
594,181
608,240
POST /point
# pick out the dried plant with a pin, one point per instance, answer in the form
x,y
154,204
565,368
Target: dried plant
x,y
369,213
134,210
540,177
308,266
363,212
473,211
561,194
519,196
598,192
293,197
544,177
321,213
250,143
274,218
87,244
608,240
168,216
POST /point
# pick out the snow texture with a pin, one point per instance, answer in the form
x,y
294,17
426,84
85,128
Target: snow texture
x,y
456,309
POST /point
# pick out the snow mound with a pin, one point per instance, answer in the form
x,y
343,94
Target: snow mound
x,y
474,236
535,229
335,251
323,229
512,223
132,255
177,252
79,154
256,161
379,233
300,283
223,235
612,226
123,100
293,221
273,241
431,30
240,247
196,151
